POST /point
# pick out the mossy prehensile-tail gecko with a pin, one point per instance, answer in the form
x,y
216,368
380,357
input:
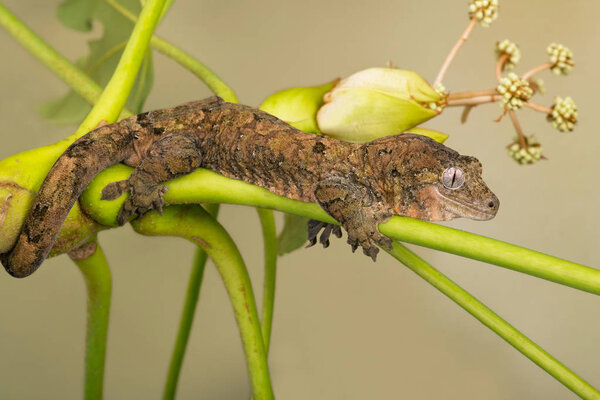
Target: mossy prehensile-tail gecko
x,y
359,185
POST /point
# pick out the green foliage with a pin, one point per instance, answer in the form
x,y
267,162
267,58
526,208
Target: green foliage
x,y
102,59
293,235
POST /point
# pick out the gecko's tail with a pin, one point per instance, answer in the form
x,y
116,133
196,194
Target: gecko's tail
x,y
63,185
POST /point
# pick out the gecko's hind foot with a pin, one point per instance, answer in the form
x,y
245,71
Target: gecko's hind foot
x,y
369,243
314,227
140,202
143,198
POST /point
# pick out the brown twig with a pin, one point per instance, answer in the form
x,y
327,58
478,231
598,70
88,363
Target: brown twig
x,y
471,94
538,107
501,64
473,101
518,129
537,69
463,38
465,114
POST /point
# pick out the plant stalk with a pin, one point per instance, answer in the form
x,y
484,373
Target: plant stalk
x,y
196,225
187,315
97,277
499,326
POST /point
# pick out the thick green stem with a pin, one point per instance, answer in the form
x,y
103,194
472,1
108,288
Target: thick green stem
x,y
195,224
205,74
490,319
204,186
187,315
493,251
63,68
116,92
267,221
96,274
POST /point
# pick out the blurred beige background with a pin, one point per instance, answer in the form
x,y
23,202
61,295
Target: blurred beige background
x,y
344,328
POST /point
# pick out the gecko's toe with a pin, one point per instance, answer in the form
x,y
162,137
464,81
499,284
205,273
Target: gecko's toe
x,y
353,244
337,231
324,238
114,190
314,227
126,212
371,252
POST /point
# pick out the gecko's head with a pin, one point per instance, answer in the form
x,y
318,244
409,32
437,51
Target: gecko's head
x,y
430,181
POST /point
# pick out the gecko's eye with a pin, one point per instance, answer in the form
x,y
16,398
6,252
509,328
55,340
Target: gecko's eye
x,y
453,178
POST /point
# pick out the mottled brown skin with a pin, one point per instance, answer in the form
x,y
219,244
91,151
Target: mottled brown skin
x,y
360,185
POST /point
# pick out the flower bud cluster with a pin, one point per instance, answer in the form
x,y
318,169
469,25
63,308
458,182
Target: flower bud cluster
x,y
438,106
564,114
561,58
512,50
514,90
531,153
486,11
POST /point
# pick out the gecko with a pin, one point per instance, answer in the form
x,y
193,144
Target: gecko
x,y
359,185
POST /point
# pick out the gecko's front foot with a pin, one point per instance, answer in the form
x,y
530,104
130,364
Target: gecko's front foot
x,y
143,197
314,227
369,241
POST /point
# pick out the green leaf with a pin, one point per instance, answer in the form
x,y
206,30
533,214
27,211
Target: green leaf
x,y
103,56
293,235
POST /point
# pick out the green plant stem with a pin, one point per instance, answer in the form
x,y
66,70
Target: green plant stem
x,y
96,273
205,74
203,186
82,84
187,315
116,92
493,251
267,222
196,225
490,319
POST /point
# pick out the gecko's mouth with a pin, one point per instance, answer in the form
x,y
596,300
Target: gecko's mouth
x,y
479,211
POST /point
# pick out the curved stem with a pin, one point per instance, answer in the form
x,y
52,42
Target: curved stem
x,y
81,83
203,230
116,92
203,186
536,70
267,222
490,319
205,74
187,315
463,38
500,65
96,273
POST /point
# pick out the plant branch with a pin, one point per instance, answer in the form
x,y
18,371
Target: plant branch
x,y
474,101
500,65
116,92
536,70
187,315
96,273
204,231
518,129
204,186
469,94
205,74
538,107
80,82
463,38
490,319
267,222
